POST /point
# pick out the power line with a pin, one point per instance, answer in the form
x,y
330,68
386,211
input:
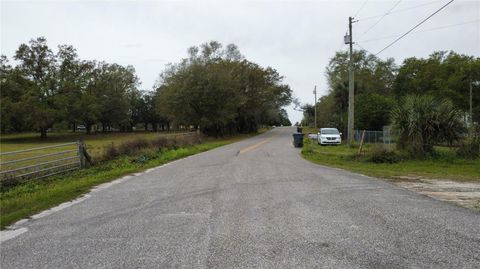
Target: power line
x,y
360,9
399,10
417,32
431,15
363,48
381,18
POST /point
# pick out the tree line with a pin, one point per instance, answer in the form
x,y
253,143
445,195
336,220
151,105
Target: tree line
x,y
380,85
215,89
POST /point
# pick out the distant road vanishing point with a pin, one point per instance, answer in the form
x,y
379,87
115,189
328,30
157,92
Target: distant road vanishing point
x,y
251,204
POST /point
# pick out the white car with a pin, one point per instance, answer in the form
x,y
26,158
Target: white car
x,y
329,136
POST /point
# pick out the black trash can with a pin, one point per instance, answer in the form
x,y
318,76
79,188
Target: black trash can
x,y
299,129
298,140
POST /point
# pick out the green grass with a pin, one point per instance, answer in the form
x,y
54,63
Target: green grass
x,y
443,166
35,196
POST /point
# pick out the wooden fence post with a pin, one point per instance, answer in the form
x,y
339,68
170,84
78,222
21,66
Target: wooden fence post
x,y
81,147
85,159
361,143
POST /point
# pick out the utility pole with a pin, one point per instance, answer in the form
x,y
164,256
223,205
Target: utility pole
x,y
351,92
315,105
471,111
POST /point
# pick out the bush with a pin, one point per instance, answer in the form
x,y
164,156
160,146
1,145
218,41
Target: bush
x,y
133,146
8,182
470,149
110,152
424,121
382,155
160,142
186,140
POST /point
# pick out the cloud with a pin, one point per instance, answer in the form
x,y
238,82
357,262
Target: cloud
x,y
132,45
155,60
297,38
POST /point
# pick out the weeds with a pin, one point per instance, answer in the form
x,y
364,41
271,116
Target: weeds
x,y
470,148
380,154
132,147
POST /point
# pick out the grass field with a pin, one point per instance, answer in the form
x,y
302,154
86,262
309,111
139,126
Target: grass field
x,y
446,165
95,142
33,196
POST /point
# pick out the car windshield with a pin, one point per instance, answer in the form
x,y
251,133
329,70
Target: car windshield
x,y
330,131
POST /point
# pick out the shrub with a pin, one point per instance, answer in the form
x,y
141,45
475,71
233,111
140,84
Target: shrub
x,y
470,149
110,152
184,140
159,142
189,140
133,146
424,121
8,182
382,155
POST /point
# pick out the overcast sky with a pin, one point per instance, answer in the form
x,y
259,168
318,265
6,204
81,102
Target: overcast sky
x,y
295,37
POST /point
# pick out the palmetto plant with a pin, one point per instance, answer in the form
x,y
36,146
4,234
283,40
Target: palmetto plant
x,y
423,121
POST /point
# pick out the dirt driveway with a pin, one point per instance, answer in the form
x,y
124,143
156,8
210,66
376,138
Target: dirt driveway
x,y
466,194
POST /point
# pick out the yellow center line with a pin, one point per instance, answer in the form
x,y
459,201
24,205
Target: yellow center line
x,y
253,147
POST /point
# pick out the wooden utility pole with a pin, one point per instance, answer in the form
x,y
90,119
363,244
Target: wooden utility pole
x,y
471,110
315,105
351,92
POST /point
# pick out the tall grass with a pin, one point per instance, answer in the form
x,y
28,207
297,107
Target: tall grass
x,y
133,146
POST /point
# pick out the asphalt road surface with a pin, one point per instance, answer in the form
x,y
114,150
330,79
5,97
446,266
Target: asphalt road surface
x,y
252,204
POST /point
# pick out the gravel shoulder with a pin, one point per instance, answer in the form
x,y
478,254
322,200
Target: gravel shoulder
x,y
466,194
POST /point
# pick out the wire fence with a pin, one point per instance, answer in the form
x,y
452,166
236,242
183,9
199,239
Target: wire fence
x,y
40,162
386,136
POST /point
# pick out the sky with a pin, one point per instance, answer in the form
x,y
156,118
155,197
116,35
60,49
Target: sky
x,y
297,38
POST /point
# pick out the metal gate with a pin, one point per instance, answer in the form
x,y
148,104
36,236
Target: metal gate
x,y
41,162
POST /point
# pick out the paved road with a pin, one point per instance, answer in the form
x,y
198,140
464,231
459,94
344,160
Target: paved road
x,y
251,204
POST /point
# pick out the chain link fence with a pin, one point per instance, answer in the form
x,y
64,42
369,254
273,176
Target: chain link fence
x,y
386,136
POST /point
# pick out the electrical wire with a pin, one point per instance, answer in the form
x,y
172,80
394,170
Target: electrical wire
x,y
381,18
422,31
360,9
399,10
364,49
431,15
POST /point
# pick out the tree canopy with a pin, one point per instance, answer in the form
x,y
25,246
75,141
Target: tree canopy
x,y
214,88
374,79
381,84
47,89
220,92
443,74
